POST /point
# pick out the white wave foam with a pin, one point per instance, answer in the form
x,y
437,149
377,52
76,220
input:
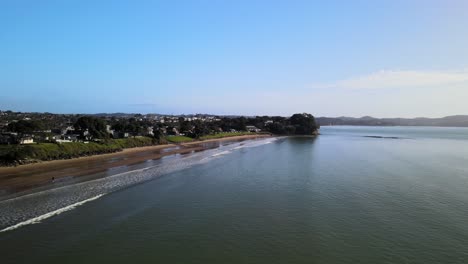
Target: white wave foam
x,y
221,153
250,144
98,187
38,219
261,143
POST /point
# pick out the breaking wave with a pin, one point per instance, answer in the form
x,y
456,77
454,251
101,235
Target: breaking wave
x,y
40,218
221,153
36,207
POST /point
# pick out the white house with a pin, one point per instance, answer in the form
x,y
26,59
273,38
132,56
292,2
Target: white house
x,y
253,129
26,140
149,131
66,130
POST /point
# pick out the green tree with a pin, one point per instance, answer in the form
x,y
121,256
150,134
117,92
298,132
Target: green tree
x,y
304,124
26,126
96,127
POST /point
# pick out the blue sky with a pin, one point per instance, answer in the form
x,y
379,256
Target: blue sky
x,y
329,58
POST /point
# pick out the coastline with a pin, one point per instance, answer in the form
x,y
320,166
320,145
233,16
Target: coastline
x,y
62,172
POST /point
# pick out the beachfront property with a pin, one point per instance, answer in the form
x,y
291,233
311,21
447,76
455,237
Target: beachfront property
x,y
253,129
118,134
149,131
63,141
67,130
109,129
26,140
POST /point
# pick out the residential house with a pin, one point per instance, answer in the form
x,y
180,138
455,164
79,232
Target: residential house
x,y
60,141
253,129
118,134
149,131
71,137
109,130
26,140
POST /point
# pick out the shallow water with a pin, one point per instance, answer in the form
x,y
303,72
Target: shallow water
x,y
352,195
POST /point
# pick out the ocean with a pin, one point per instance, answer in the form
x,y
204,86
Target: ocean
x,y
350,195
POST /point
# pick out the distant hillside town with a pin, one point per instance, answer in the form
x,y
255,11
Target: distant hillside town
x,y
29,128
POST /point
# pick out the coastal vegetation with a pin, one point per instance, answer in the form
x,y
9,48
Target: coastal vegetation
x,y
22,154
31,140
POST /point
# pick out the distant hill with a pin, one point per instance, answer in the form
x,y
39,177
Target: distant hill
x,y
448,121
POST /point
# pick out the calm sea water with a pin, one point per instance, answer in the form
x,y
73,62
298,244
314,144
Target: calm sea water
x,y
398,196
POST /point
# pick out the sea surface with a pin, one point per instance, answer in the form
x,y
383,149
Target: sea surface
x,y
350,195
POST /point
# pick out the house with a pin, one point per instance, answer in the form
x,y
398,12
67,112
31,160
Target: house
x,y
60,141
118,134
64,130
26,140
163,130
253,129
71,137
109,130
53,137
4,124
149,131
175,131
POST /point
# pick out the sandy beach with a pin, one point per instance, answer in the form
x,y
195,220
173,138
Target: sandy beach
x,y
31,176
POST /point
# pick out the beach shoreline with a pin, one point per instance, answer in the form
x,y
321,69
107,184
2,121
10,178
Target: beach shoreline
x,y
33,176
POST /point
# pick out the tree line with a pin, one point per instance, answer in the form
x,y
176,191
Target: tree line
x,y
96,127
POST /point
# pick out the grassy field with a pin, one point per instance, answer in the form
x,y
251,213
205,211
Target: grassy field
x,y
178,139
11,154
226,134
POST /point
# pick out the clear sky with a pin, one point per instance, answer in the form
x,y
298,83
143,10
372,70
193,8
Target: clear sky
x,y
386,58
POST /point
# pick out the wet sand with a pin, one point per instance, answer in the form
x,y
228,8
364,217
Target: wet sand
x,y
31,176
